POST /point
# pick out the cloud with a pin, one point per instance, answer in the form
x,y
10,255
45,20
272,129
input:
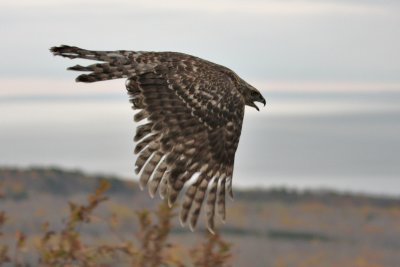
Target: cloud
x,y
273,7
260,40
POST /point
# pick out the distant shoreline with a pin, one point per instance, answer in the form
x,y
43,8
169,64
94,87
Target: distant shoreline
x,y
84,181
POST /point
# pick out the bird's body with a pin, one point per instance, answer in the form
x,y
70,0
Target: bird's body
x,y
193,111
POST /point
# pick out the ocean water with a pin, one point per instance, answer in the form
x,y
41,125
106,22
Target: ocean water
x,y
343,141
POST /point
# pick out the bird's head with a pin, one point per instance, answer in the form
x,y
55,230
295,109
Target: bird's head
x,y
252,95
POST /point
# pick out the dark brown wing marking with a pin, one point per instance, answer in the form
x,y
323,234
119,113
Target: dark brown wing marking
x,y
194,116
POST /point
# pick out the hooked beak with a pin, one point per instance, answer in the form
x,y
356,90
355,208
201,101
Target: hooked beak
x,y
262,100
254,106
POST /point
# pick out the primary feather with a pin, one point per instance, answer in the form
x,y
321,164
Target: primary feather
x,y
194,110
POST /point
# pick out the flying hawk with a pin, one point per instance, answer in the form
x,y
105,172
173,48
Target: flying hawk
x,y
193,111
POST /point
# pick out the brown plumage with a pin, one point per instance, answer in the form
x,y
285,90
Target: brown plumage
x,y
193,110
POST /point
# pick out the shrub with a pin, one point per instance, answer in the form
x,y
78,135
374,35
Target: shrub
x,y
150,247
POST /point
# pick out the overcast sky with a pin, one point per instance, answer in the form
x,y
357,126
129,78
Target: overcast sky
x,y
329,41
330,71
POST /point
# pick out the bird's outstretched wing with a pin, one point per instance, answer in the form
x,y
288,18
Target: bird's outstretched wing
x,y
192,112
194,117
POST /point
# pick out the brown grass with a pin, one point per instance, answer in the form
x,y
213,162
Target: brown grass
x,y
149,247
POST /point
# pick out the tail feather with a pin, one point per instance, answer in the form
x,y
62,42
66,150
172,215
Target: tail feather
x,y
76,52
117,64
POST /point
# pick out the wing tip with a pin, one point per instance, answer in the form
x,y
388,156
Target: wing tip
x,y
56,50
64,51
170,203
151,193
181,221
211,229
192,227
141,186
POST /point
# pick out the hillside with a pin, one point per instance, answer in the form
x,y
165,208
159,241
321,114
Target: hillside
x,y
279,227
20,183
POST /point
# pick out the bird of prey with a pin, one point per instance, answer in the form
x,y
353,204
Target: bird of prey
x,y
192,111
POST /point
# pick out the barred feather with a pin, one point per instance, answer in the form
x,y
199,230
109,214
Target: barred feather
x,y
221,200
149,169
145,142
158,175
143,114
187,202
163,188
199,198
143,157
210,208
193,110
142,131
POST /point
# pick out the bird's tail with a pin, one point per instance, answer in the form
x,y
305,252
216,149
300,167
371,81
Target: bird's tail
x,y
116,64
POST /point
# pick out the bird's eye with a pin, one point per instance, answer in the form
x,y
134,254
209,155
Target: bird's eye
x,y
254,93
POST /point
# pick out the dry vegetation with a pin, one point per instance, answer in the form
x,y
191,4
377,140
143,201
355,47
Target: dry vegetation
x,y
150,247
52,217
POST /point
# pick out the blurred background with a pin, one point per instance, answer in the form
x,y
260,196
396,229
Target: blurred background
x,y
330,71
316,172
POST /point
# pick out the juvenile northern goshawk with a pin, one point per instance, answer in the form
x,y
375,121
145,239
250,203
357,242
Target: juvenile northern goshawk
x,y
193,111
